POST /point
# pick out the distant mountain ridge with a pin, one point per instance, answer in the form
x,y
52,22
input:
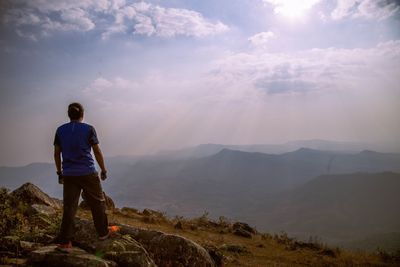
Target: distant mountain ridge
x,y
245,186
204,150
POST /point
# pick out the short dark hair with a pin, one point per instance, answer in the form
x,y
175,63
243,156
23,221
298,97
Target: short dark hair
x,y
75,111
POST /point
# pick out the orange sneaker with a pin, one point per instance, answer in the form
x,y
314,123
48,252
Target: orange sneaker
x,y
66,248
112,231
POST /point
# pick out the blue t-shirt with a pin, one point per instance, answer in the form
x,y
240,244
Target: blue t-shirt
x,y
76,140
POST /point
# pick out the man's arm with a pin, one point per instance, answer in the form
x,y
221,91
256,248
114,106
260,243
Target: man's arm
x,y
57,157
99,157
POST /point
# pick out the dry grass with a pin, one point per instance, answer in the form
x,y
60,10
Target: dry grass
x,y
260,250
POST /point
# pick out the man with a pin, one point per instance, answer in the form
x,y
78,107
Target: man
x,y
74,142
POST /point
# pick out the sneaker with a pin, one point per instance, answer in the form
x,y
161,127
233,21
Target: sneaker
x,y
65,248
112,231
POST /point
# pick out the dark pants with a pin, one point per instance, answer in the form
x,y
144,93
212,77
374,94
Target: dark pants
x,y
90,184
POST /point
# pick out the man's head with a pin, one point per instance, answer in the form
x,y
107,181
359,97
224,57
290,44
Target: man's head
x,y
75,111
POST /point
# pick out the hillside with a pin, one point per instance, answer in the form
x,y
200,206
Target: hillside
x,y
27,231
341,209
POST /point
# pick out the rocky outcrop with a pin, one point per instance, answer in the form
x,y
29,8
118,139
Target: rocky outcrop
x,y
170,250
129,247
122,249
144,247
31,194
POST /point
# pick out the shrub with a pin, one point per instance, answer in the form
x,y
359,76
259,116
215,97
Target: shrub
x,y
11,213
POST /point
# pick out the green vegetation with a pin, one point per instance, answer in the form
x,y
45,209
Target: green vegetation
x,y
12,213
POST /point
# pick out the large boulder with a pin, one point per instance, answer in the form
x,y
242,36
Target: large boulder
x,y
170,250
142,247
122,249
49,256
31,194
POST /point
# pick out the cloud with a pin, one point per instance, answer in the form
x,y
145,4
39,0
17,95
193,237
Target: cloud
x,y
261,39
78,18
153,20
312,71
98,86
25,35
47,6
147,90
370,9
39,18
291,8
285,86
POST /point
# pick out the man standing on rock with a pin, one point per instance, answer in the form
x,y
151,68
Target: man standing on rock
x,y
74,142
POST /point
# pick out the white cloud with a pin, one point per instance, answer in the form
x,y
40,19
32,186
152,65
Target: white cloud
x,y
143,25
47,6
262,38
110,17
123,92
312,70
291,8
154,20
78,18
370,9
98,85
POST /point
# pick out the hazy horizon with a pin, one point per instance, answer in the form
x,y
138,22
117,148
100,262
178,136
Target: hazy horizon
x,y
156,75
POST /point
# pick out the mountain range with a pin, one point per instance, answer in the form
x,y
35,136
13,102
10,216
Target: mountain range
x,y
343,197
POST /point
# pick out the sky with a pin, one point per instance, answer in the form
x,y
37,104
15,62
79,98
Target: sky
x,y
155,75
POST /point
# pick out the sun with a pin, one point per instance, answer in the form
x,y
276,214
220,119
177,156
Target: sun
x,y
292,8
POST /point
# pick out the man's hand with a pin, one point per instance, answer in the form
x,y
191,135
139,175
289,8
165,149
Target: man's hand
x,y
103,175
100,160
60,178
57,160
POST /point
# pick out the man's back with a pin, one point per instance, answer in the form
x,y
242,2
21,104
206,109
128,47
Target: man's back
x,y
76,140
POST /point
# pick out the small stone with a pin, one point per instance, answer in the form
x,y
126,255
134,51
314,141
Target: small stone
x,y
149,212
13,262
243,229
178,225
129,210
29,246
242,233
235,248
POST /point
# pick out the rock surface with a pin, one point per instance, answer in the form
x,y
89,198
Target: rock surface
x,y
122,249
43,209
243,229
48,256
170,250
31,194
